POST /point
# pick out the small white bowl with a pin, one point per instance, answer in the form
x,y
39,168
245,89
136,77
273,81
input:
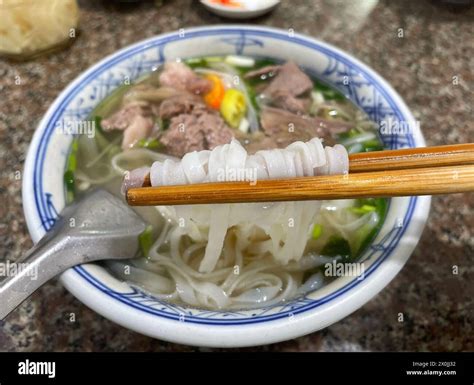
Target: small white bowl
x,y
249,10
44,191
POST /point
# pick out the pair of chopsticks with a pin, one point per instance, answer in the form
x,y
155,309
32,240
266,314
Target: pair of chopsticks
x,y
407,172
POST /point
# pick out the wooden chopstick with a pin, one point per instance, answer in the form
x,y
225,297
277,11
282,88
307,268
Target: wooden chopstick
x,y
422,181
414,171
435,156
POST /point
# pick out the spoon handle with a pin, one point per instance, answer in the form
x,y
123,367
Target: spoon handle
x,y
98,226
25,275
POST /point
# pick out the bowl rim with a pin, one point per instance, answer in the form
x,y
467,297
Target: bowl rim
x,y
209,334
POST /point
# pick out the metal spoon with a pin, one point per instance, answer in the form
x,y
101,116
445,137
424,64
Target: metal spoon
x,y
99,226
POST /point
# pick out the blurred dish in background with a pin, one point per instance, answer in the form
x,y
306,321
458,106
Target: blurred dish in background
x,y
240,9
32,27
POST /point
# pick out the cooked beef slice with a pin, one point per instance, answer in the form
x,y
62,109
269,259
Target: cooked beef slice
x,y
270,70
291,80
291,103
285,127
179,76
121,119
199,130
181,104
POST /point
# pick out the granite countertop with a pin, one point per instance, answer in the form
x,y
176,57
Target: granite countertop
x,y
438,306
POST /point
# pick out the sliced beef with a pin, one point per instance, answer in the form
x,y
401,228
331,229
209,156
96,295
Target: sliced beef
x,y
199,130
291,103
259,141
134,119
270,70
287,88
285,127
182,104
141,127
216,131
151,94
121,119
179,76
183,135
291,80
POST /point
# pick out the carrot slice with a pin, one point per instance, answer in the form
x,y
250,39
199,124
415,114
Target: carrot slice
x,y
215,96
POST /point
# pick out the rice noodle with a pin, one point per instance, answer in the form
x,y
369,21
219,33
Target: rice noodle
x,y
231,255
298,159
211,223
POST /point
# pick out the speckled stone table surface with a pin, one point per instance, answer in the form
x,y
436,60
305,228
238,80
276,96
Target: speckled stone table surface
x,y
437,45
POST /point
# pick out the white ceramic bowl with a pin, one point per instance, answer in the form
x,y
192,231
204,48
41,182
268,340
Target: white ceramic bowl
x,y
250,10
44,192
